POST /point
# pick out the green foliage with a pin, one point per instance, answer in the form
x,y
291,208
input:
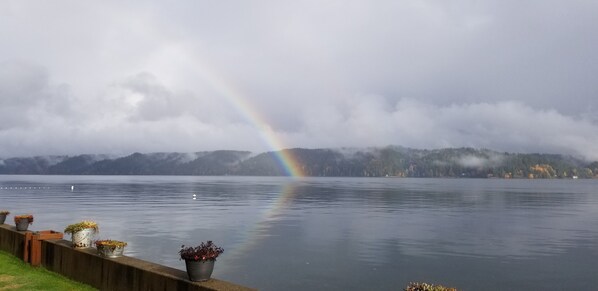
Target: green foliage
x,y
79,226
110,244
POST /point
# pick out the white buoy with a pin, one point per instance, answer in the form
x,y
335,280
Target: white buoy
x,y
194,198
72,188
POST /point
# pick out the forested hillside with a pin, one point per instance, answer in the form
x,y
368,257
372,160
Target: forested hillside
x,y
389,161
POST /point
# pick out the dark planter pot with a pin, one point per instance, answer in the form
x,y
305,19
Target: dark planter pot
x,y
199,270
2,218
22,225
111,252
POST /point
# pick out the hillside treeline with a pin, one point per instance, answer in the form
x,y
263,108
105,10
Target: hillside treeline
x,y
389,161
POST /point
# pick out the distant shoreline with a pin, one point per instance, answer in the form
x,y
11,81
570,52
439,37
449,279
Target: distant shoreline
x,y
391,161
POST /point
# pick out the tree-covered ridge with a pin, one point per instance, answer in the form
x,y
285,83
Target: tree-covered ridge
x,y
395,161
389,161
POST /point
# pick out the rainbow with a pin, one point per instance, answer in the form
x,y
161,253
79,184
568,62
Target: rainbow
x,y
254,234
284,157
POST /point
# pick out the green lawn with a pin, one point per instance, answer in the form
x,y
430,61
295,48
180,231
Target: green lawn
x,y
16,275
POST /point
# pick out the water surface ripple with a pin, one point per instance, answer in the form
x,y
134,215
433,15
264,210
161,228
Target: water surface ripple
x,y
338,233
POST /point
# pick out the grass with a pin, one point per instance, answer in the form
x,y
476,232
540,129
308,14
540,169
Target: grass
x,y
17,275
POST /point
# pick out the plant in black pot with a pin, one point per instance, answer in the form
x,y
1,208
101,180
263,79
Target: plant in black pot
x,y
22,222
3,214
200,260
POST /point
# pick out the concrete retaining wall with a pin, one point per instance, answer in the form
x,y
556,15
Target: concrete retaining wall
x,y
124,273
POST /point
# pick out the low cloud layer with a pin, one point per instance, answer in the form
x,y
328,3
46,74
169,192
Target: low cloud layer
x,y
117,78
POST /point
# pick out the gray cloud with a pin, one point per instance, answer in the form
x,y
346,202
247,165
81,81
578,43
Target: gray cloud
x,y
152,101
116,77
503,126
26,95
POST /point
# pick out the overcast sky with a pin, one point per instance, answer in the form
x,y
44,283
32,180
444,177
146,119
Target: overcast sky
x,y
118,77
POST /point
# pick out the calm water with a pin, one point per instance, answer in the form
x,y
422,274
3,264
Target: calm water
x,y
339,233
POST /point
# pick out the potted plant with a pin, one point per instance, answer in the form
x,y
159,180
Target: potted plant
x,y
3,214
22,222
110,248
200,260
427,287
82,233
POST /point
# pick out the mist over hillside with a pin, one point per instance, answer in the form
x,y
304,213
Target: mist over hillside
x,y
391,161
